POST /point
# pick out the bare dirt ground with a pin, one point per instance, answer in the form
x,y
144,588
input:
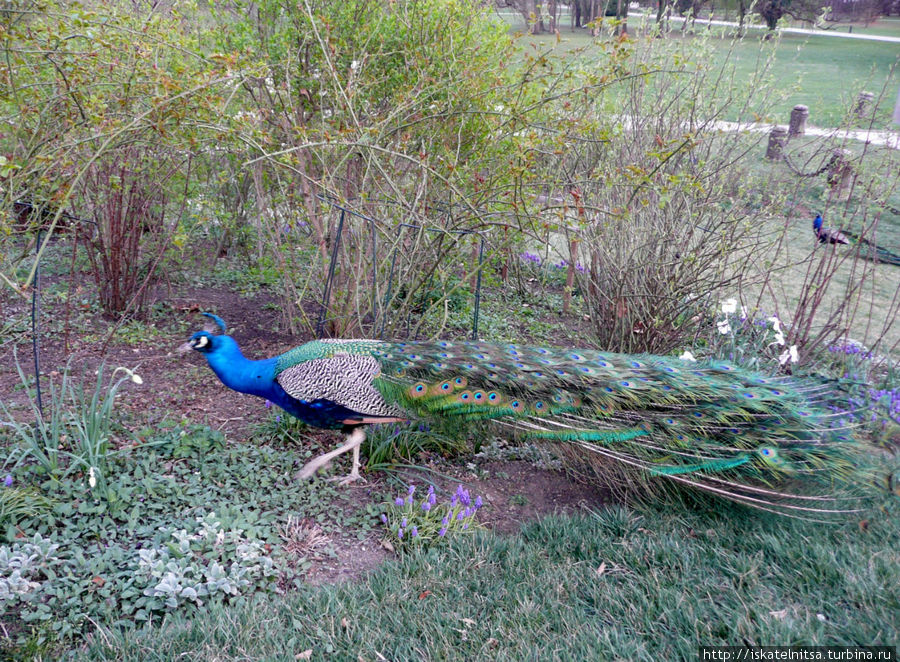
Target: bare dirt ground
x,y
181,387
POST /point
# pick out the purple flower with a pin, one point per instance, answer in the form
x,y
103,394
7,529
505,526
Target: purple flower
x,y
403,523
442,532
8,481
412,488
400,533
398,501
278,418
446,520
426,506
268,404
465,525
478,502
413,532
384,518
459,515
432,499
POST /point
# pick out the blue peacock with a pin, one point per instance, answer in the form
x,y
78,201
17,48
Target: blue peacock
x,y
868,250
758,440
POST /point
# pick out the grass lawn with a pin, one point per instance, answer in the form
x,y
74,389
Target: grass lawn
x,y
824,73
616,585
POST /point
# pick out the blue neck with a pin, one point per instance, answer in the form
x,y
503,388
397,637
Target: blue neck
x,y
817,223
240,373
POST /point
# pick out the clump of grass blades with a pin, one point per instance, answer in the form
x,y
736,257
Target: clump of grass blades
x,y
75,435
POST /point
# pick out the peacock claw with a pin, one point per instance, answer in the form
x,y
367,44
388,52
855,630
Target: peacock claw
x,y
346,480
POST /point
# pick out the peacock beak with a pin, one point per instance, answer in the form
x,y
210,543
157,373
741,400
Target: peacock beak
x,y
185,348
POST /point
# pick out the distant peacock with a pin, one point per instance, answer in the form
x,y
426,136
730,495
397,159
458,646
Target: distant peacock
x,y
757,440
868,250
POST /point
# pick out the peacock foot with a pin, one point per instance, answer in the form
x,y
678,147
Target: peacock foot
x,y
346,480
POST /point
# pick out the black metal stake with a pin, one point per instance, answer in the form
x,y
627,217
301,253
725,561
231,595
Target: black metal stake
x,y
35,313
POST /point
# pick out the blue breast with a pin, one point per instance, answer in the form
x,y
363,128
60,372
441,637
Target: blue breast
x,y
258,378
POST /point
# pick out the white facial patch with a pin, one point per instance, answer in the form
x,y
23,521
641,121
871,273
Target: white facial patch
x,y
202,341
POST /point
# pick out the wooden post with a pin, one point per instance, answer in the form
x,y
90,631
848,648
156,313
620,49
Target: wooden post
x,y
799,115
840,174
777,138
863,108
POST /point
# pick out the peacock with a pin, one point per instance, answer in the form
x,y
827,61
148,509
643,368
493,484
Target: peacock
x,y
867,248
754,439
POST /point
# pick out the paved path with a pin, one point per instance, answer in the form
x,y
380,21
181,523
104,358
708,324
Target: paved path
x,y
762,26
885,138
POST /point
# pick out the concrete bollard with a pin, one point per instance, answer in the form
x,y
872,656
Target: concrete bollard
x,y
840,174
799,115
864,105
777,138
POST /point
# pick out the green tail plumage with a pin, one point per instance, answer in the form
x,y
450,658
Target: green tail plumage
x,y
710,426
872,251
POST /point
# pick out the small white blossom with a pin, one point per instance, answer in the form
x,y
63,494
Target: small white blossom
x,y
724,327
354,65
136,378
790,354
92,479
743,312
779,338
499,108
687,356
729,306
776,324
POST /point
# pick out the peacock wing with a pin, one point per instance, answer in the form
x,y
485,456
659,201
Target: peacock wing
x,y
342,376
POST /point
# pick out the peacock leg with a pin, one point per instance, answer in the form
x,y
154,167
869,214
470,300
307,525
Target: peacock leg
x,y
357,436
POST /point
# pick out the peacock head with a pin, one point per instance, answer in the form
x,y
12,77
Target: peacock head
x,y
817,222
202,341
206,341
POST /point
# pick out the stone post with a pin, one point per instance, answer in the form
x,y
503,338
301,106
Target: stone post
x,y
777,138
799,115
864,105
840,174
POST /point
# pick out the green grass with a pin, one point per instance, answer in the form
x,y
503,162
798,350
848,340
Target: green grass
x,y
824,73
620,585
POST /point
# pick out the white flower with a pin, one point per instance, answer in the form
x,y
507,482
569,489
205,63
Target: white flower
x,y
776,324
729,306
687,356
354,65
724,327
92,479
743,312
136,378
789,354
498,108
779,337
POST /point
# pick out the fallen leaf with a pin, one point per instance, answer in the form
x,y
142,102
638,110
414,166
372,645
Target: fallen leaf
x,y
601,569
779,614
864,525
387,545
305,655
99,581
344,623
468,621
424,594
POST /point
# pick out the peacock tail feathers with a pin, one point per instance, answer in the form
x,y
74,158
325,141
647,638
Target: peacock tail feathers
x,y
873,251
711,426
